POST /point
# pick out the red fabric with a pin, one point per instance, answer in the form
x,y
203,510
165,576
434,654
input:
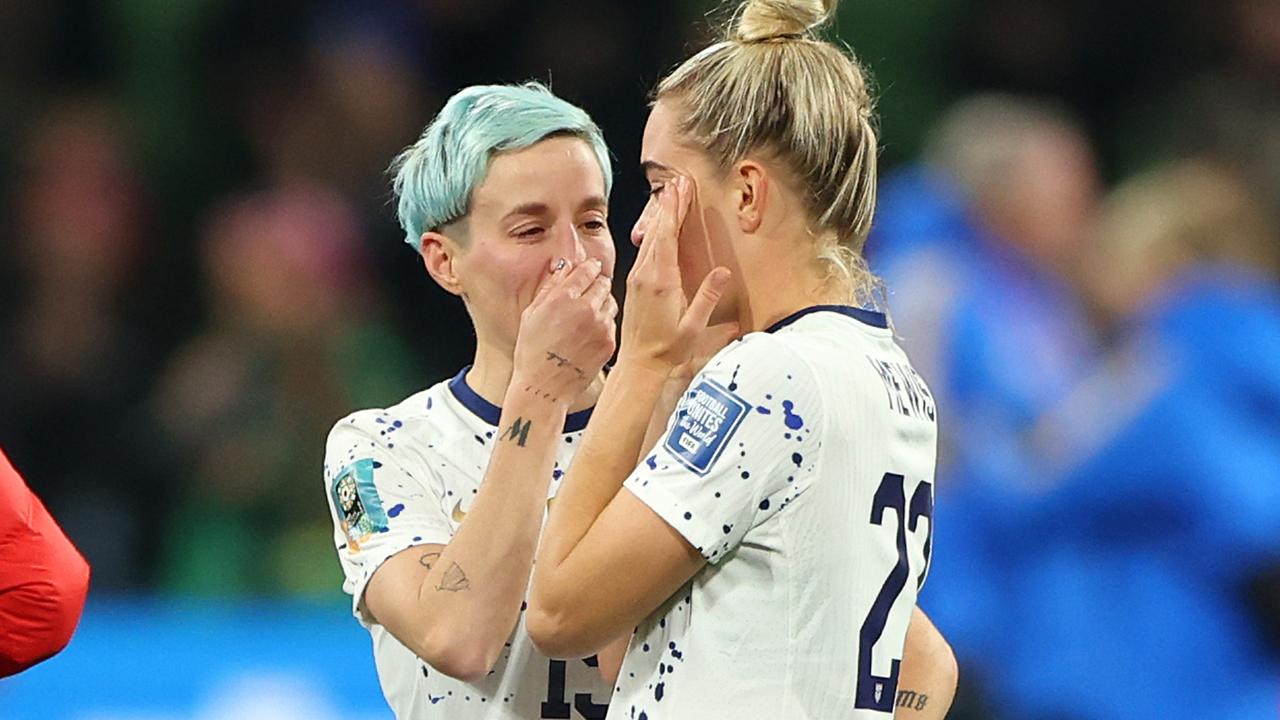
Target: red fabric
x,y
43,578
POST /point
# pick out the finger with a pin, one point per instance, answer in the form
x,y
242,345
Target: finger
x,y
674,204
611,307
599,290
704,302
688,192
644,256
581,277
557,271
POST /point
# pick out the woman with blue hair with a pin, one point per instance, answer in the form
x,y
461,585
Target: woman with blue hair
x,y
437,501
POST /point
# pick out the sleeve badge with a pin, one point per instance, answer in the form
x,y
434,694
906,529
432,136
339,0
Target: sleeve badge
x,y
358,504
708,416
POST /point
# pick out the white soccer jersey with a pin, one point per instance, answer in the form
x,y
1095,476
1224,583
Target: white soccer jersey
x,y
406,476
800,463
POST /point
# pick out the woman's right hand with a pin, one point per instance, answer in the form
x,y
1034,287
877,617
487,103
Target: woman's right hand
x,y
567,333
661,327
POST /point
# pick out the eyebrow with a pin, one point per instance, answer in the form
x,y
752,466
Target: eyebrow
x,y
595,202
529,208
649,166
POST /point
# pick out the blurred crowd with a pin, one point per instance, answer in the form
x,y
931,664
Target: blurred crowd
x,y
1079,230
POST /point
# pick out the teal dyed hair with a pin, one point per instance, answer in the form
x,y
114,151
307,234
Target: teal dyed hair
x,y
434,178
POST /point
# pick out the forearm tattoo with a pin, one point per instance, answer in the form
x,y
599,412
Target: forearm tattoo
x,y
429,559
454,580
519,431
912,700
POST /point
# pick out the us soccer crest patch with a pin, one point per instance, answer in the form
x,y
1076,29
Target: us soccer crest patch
x,y
708,416
357,502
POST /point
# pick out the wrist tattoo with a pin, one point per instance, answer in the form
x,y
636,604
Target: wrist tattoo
x,y
519,431
540,393
562,361
453,580
428,560
912,700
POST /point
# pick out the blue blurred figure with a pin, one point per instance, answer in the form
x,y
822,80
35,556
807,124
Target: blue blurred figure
x,y
1146,556
978,248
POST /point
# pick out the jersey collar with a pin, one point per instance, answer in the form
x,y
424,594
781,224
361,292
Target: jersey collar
x,y
869,317
492,414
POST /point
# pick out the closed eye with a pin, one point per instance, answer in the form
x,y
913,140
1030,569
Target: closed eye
x,y
529,233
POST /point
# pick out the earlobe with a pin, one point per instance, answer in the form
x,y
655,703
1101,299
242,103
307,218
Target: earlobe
x,y
438,255
752,189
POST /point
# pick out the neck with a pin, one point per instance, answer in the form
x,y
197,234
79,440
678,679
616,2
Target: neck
x,y
773,290
490,376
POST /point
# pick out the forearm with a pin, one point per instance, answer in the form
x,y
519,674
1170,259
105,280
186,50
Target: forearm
x,y
610,657
608,454
663,407
927,681
472,593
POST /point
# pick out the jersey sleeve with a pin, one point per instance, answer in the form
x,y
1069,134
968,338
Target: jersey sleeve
x,y
43,578
380,499
741,446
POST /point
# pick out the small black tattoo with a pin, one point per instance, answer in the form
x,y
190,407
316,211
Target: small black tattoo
x,y
454,580
519,430
912,700
539,393
562,361
428,560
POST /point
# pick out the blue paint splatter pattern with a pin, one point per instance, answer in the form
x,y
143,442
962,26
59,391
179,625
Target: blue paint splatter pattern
x,y
768,468
427,457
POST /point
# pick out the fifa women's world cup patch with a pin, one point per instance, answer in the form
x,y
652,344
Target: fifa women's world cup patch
x,y
356,500
708,416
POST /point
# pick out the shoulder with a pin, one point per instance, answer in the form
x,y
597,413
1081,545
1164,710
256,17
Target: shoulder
x,y
417,418
759,354
793,356
760,372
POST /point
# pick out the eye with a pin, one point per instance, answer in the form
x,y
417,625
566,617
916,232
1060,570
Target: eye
x,y
595,225
529,233
655,190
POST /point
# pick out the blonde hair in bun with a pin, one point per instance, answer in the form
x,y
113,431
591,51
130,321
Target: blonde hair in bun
x,y
759,20
773,86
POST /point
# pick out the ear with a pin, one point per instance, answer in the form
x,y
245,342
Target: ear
x,y
439,253
751,191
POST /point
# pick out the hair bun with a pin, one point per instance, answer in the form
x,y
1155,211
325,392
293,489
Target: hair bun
x,y
768,19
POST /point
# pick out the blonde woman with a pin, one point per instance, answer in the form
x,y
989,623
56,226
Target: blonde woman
x,y
768,548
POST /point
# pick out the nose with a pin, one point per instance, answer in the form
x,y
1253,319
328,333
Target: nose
x,y
571,245
637,230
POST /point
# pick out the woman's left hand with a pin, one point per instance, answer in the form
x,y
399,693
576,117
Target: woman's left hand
x,y
659,325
